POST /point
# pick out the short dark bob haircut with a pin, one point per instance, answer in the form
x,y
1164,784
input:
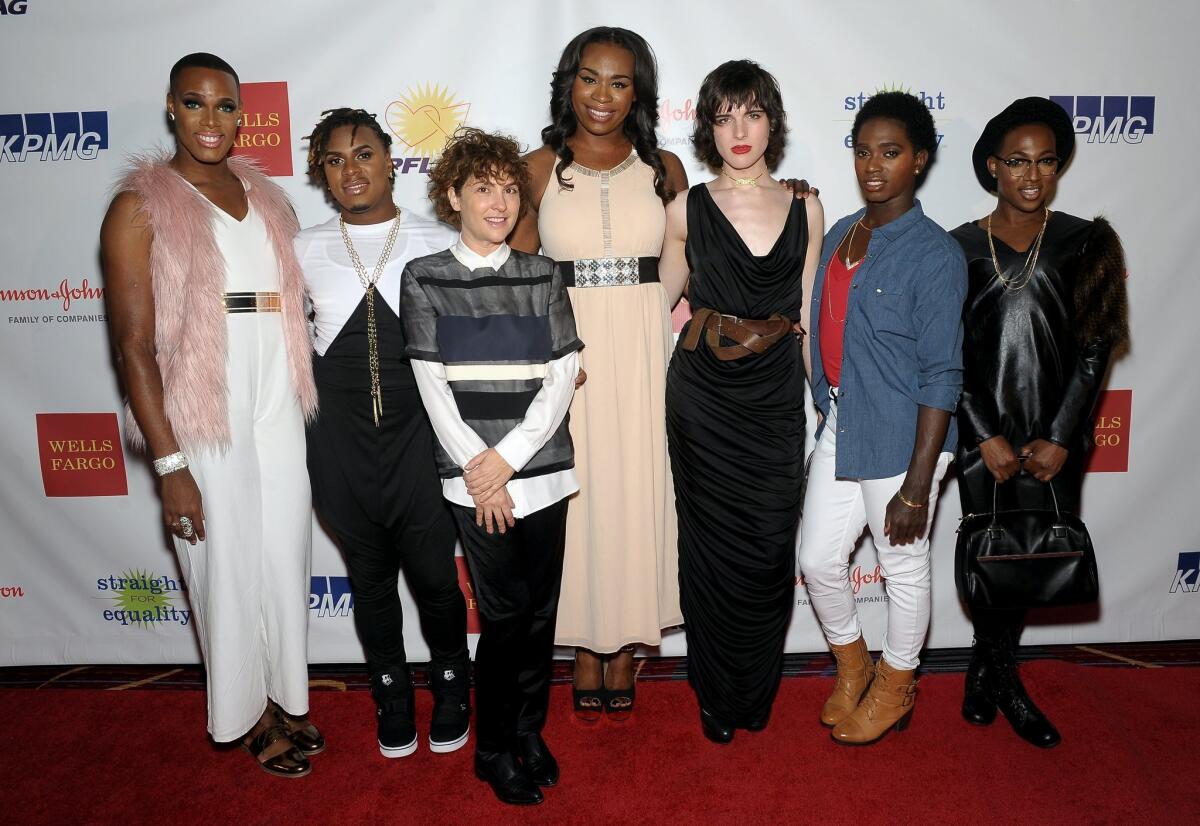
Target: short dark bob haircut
x,y
473,153
203,60
912,113
732,84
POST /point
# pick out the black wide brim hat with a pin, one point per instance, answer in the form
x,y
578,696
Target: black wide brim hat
x,y
1019,113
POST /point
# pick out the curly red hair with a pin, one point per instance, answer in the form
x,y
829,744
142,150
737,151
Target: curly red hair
x,y
473,153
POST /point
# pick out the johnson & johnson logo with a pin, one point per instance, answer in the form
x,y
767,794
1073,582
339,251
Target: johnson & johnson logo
x,y
65,294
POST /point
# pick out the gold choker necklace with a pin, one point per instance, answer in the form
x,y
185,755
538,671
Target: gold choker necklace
x,y
743,181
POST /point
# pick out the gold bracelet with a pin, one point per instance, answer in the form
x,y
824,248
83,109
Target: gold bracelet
x,y
912,505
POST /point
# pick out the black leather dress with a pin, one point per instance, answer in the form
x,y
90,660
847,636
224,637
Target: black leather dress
x,y
1035,358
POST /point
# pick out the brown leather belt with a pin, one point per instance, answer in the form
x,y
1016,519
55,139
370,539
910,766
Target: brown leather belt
x,y
751,336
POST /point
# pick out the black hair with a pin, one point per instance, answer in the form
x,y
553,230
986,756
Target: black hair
x,y
640,125
203,60
332,119
1019,113
910,110
732,84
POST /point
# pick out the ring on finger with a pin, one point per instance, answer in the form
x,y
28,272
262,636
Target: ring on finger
x,y
186,528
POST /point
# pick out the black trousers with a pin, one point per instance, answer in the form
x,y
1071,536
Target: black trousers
x,y
517,577
378,493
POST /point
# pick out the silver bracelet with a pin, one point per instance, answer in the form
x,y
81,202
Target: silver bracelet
x,y
170,464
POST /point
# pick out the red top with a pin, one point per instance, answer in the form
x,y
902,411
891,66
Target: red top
x,y
835,299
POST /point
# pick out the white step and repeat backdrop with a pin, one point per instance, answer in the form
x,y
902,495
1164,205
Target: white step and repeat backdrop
x,y
85,573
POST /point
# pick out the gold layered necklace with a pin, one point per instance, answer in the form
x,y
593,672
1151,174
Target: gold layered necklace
x,y
368,284
1025,275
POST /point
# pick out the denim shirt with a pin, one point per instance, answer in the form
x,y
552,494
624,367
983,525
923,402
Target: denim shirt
x,y
902,345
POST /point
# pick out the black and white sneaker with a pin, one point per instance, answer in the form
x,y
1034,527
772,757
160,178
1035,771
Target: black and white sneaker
x,y
451,708
396,731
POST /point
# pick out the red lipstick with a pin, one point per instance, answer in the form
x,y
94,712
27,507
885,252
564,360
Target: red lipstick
x,y
741,149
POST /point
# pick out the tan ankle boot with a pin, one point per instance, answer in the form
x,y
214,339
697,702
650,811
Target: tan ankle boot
x,y
854,668
889,702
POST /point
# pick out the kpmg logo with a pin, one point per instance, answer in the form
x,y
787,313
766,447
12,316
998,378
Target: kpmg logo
x,y
1109,118
13,7
53,136
1187,577
330,596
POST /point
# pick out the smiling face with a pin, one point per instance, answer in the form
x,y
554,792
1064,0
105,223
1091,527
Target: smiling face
x,y
358,172
885,164
488,209
602,93
1026,189
741,134
206,108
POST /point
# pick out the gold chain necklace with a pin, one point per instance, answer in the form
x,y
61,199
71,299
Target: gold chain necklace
x,y
368,284
1026,273
846,261
743,181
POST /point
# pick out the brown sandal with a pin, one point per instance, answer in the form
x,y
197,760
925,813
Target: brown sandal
x,y
276,754
303,734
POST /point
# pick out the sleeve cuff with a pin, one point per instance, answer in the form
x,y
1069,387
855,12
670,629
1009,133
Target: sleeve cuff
x,y
940,397
515,450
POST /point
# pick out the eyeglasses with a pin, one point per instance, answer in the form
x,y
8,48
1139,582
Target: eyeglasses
x,y
1019,167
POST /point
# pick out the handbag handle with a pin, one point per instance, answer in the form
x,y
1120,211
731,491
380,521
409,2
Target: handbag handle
x,y
1053,495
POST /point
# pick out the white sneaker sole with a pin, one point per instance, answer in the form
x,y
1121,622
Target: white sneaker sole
x,y
452,745
398,751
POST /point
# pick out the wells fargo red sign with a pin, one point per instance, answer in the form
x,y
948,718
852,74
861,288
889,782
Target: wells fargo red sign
x,y
266,130
1110,453
81,454
468,589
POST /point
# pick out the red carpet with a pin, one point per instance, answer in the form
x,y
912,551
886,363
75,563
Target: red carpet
x,y
1131,754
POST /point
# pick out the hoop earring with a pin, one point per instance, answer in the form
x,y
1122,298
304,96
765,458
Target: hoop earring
x,y
171,116
239,121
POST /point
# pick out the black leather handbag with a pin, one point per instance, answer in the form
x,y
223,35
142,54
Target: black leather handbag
x,y
1025,558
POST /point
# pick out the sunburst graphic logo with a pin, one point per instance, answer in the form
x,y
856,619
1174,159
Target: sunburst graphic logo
x,y
425,118
141,598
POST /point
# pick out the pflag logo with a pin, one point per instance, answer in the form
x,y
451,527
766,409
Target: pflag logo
x,y
81,454
1110,118
1187,576
1110,451
330,596
266,130
53,136
423,119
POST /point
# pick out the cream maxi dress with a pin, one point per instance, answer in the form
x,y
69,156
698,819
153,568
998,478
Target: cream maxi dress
x,y
620,580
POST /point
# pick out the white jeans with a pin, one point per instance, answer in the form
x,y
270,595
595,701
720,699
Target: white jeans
x,y
835,513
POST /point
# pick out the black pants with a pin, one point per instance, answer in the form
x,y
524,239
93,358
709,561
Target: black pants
x,y
517,576
377,491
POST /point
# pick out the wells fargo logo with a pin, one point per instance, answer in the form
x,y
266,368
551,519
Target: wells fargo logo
x,y
423,120
1110,453
266,131
81,454
468,589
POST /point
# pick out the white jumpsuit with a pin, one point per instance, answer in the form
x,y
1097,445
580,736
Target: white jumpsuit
x,y
248,581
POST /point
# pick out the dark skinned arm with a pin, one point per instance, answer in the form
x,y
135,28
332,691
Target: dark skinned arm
x,y
125,257
903,524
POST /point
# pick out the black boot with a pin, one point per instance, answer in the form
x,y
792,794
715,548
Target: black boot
x,y
977,706
394,704
451,707
1009,695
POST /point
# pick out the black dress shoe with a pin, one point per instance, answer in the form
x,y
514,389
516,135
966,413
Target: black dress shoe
x,y
714,729
539,763
977,706
507,778
1009,694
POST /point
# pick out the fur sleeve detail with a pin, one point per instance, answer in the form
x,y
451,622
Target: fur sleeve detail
x,y
1101,303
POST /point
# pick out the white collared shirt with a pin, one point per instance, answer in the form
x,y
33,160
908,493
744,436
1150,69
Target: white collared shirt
x,y
542,418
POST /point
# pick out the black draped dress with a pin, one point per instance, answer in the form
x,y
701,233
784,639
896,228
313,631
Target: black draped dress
x,y
736,439
1025,373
